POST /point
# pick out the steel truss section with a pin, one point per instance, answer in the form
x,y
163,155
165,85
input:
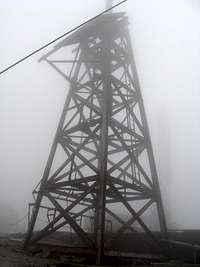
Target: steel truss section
x,y
101,163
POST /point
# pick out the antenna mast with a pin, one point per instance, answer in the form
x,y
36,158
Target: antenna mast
x,y
109,4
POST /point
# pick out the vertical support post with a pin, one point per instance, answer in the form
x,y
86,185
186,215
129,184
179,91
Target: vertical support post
x,y
109,4
29,207
107,105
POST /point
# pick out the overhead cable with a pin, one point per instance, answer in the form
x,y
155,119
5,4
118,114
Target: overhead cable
x,y
60,37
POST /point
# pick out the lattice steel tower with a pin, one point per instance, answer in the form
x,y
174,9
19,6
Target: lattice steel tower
x,y
100,179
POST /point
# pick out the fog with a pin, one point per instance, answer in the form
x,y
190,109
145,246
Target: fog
x,y
166,43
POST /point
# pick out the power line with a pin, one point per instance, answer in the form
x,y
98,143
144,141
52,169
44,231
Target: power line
x,y
61,36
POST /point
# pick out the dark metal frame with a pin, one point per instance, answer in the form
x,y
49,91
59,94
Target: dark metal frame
x,y
104,134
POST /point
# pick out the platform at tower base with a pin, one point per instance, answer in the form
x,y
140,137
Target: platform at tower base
x,y
182,245
184,251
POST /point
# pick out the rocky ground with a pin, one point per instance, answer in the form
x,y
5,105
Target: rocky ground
x,y
12,255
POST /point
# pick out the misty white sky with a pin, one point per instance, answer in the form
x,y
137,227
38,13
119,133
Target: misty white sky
x,y
166,42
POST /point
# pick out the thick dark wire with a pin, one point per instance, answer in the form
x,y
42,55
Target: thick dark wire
x,y
61,36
